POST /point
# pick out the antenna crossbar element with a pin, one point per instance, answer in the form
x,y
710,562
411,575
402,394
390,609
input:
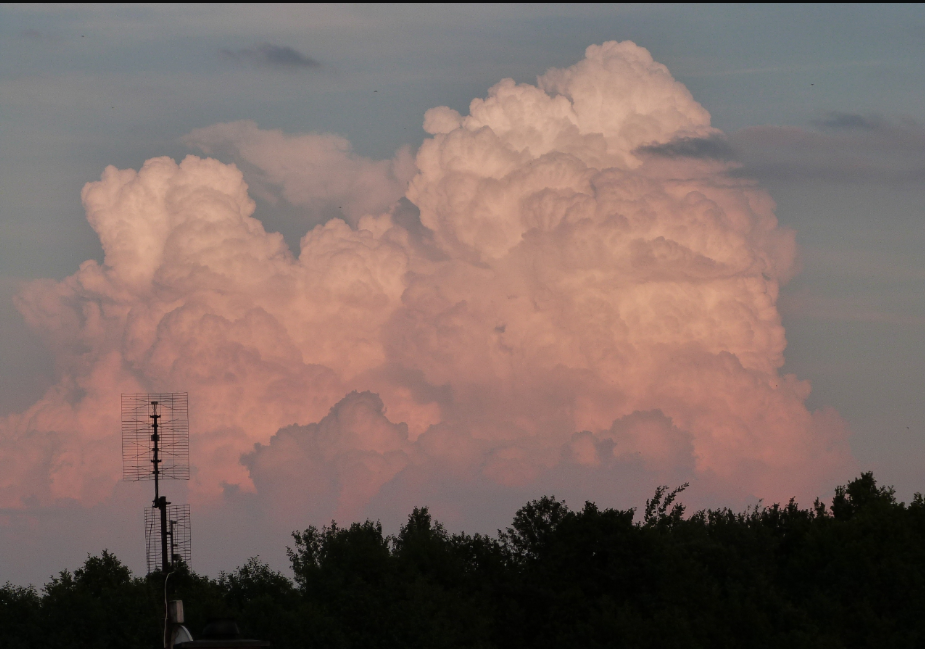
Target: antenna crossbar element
x,y
155,436
178,535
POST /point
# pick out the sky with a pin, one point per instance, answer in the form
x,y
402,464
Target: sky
x,y
455,256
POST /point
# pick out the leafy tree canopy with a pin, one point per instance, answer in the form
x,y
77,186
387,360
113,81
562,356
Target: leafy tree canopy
x,y
851,574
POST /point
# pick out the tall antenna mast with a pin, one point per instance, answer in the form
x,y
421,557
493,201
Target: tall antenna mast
x,y
160,502
155,445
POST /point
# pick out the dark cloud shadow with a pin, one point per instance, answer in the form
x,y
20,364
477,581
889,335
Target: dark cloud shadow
x,y
836,120
267,55
839,147
715,147
35,35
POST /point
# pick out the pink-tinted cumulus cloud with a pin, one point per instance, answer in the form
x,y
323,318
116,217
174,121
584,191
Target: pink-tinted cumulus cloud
x,y
565,305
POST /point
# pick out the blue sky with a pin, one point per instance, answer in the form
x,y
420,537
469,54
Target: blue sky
x,y
824,106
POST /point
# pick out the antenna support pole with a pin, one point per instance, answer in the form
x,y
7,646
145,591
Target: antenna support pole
x,y
165,557
159,501
155,460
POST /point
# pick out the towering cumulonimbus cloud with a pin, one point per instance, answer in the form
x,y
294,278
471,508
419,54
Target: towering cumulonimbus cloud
x,y
551,296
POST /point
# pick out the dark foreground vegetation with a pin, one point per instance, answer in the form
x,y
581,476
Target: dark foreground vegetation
x,y
848,575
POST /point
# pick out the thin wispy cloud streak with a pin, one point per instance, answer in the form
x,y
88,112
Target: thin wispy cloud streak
x,y
785,69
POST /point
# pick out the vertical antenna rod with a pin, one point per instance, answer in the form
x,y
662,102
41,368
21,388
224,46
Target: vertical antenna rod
x,y
174,557
154,438
159,501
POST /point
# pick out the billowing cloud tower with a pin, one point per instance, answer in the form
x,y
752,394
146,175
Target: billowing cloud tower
x,y
551,303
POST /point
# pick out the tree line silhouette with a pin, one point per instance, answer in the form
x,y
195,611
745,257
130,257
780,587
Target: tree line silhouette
x,y
851,574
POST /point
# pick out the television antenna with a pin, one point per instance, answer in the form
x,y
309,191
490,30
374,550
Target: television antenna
x,y
178,536
155,446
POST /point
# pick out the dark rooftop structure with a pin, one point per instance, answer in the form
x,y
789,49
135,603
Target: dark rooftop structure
x,y
222,633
